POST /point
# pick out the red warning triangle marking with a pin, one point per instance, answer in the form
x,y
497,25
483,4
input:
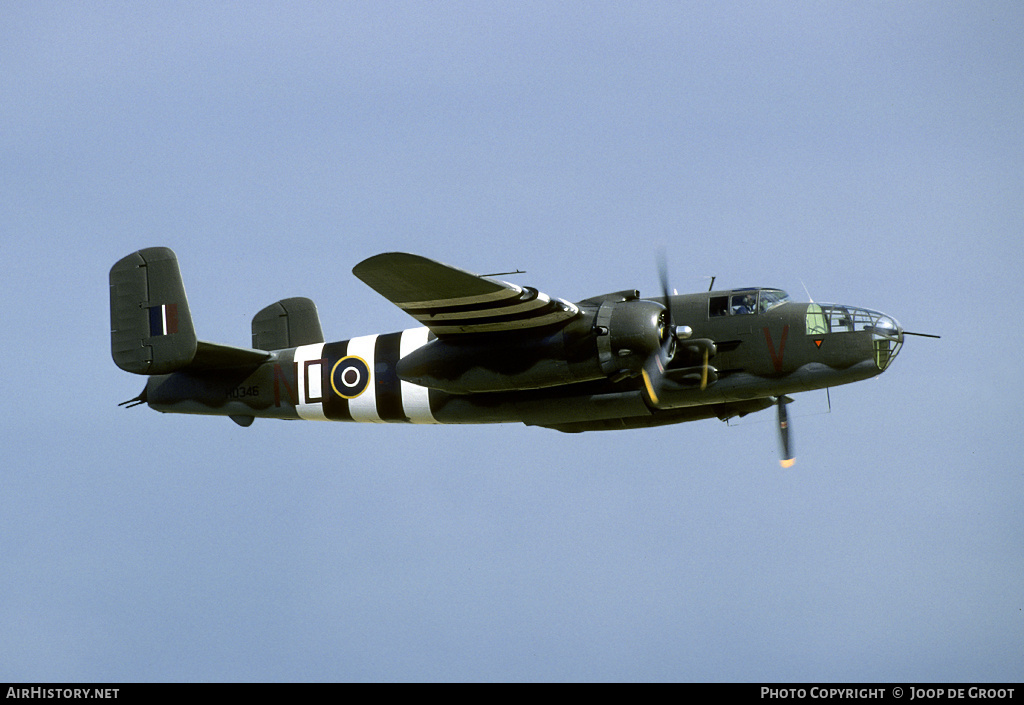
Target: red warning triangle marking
x,y
818,342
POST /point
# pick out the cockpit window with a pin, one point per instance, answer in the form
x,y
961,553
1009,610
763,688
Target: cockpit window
x,y
743,304
770,298
746,301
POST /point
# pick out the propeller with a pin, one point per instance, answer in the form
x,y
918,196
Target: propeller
x,y
653,371
786,447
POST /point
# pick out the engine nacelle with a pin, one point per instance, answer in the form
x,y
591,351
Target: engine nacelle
x,y
628,332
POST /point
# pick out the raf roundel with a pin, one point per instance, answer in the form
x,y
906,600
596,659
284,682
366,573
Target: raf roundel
x,y
350,377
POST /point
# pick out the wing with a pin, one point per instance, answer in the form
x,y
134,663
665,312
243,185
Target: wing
x,y
451,301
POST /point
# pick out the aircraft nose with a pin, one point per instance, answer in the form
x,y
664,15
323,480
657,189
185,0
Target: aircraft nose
x,y
885,332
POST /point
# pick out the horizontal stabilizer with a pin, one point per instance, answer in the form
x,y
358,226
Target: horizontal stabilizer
x,y
214,356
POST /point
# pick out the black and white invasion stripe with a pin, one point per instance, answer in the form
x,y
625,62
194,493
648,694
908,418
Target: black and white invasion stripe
x,y
509,309
355,380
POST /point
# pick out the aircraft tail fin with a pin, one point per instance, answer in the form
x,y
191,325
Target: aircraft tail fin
x,y
151,328
288,323
151,331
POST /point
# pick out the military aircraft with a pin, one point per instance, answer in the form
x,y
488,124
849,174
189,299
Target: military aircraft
x,y
488,351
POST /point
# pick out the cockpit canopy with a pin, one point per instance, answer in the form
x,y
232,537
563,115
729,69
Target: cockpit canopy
x,y
741,302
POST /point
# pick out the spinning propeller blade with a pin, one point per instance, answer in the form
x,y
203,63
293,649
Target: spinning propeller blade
x,y
786,447
653,371
704,372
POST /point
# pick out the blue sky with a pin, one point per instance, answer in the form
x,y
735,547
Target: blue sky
x,y
870,151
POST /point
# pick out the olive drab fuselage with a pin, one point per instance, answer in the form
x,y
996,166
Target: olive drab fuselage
x,y
780,351
493,352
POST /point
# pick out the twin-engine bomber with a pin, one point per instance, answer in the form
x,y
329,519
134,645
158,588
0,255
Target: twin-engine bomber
x,y
488,351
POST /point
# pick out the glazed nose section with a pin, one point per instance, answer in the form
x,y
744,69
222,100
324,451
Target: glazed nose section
x,y
886,334
886,338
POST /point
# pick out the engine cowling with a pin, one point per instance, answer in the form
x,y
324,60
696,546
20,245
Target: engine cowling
x,y
628,333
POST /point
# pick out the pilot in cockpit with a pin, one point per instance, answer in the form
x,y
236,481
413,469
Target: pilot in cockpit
x,y
744,304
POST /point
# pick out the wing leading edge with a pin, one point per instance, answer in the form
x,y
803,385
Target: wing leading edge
x,y
452,301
